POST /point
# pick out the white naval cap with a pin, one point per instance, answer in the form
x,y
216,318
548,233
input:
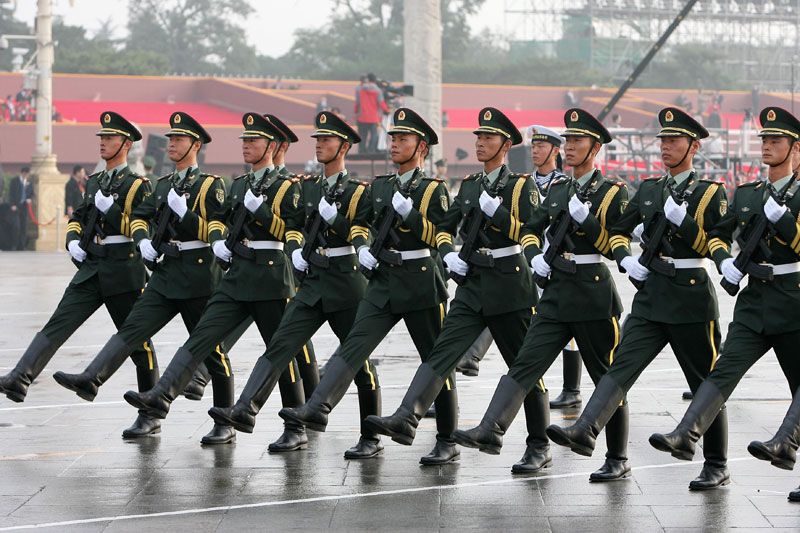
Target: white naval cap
x,y
541,133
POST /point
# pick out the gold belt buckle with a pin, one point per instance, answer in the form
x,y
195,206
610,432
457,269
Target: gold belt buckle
x,y
246,241
568,256
322,251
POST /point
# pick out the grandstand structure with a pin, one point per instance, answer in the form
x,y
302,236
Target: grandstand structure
x,y
760,39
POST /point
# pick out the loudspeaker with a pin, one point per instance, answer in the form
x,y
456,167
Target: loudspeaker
x,y
519,159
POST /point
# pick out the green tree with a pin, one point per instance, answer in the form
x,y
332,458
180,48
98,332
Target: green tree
x,y
688,67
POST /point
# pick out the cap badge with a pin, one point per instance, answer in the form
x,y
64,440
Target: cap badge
x,y
401,115
771,115
574,117
323,118
107,118
487,115
177,119
668,116
249,120
533,131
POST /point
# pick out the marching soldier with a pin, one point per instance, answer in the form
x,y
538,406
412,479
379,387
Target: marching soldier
x,y
110,270
588,204
765,315
678,309
496,290
406,283
181,283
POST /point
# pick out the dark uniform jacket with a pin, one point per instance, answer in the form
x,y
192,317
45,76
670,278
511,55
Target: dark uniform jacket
x,y
269,275
419,283
195,273
72,195
341,286
768,307
590,293
689,296
121,270
507,286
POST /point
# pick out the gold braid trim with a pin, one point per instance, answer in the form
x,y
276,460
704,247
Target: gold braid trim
x,y
700,245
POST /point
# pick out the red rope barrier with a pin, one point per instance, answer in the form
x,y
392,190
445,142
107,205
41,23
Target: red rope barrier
x,y
33,217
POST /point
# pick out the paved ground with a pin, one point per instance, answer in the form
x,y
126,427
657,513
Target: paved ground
x,y
63,464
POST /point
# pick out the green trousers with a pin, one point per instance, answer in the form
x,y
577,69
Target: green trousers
x,y
80,301
596,340
153,311
298,325
373,323
695,346
743,347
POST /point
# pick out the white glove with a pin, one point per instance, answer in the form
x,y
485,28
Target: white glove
x,y
638,230
103,202
252,202
177,202
730,272
634,268
578,210
327,210
489,204
401,204
366,258
298,261
221,251
774,210
148,252
540,266
456,264
76,251
675,213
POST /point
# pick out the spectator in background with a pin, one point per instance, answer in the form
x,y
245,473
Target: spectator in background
x,y
368,107
20,193
616,121
74,190
714,118
10,109
569,99
682,100
322,105
149,163
445,118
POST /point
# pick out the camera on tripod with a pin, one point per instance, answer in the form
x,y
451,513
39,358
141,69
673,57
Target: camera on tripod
x,y
391,92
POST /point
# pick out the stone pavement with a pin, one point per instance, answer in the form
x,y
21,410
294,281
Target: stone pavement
x,y
64,466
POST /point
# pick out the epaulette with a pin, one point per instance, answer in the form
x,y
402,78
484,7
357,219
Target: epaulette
x,y
204,175
559,180
382,176
750,184
620,184
471,176
654,178
309,177
239,177
433,178
519,175
294,180
95,175
165,176
709,180
144,178
361,182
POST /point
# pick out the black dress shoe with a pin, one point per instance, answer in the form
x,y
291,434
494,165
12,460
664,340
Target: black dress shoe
x,y
711,477
444,452
293,438
219,434
365,448
143,426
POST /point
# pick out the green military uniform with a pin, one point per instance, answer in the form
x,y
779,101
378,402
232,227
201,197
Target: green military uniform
x,y
593,324
115,279
765,313
500,297
325,294
680,310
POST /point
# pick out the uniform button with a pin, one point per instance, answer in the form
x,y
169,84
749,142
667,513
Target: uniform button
x,y
271,262
424,268
597,278
200,260
355,267
691,282
130,255
517,269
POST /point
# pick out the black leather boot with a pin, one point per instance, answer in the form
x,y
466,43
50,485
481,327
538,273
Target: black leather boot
x,y
571,393
196,387
794,496
242,415
715,450
156,401
537,418
616,466
470,362
15,384
329,392
445,450
402,425
369,443
488,435
581,436
321,370
102,367
701,413
781,450
294,434
144,425
223,397
309,372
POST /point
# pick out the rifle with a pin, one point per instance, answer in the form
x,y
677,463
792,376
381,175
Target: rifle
x,y
559,238
232,240
754,237
164,231
315,229
386,232
658,242
92,228
475,230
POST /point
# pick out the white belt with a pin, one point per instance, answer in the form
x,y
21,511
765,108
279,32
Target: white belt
x,y
189,245
263,245
408,255
686,263
497,253
788,268
114,239
584,259
336,252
